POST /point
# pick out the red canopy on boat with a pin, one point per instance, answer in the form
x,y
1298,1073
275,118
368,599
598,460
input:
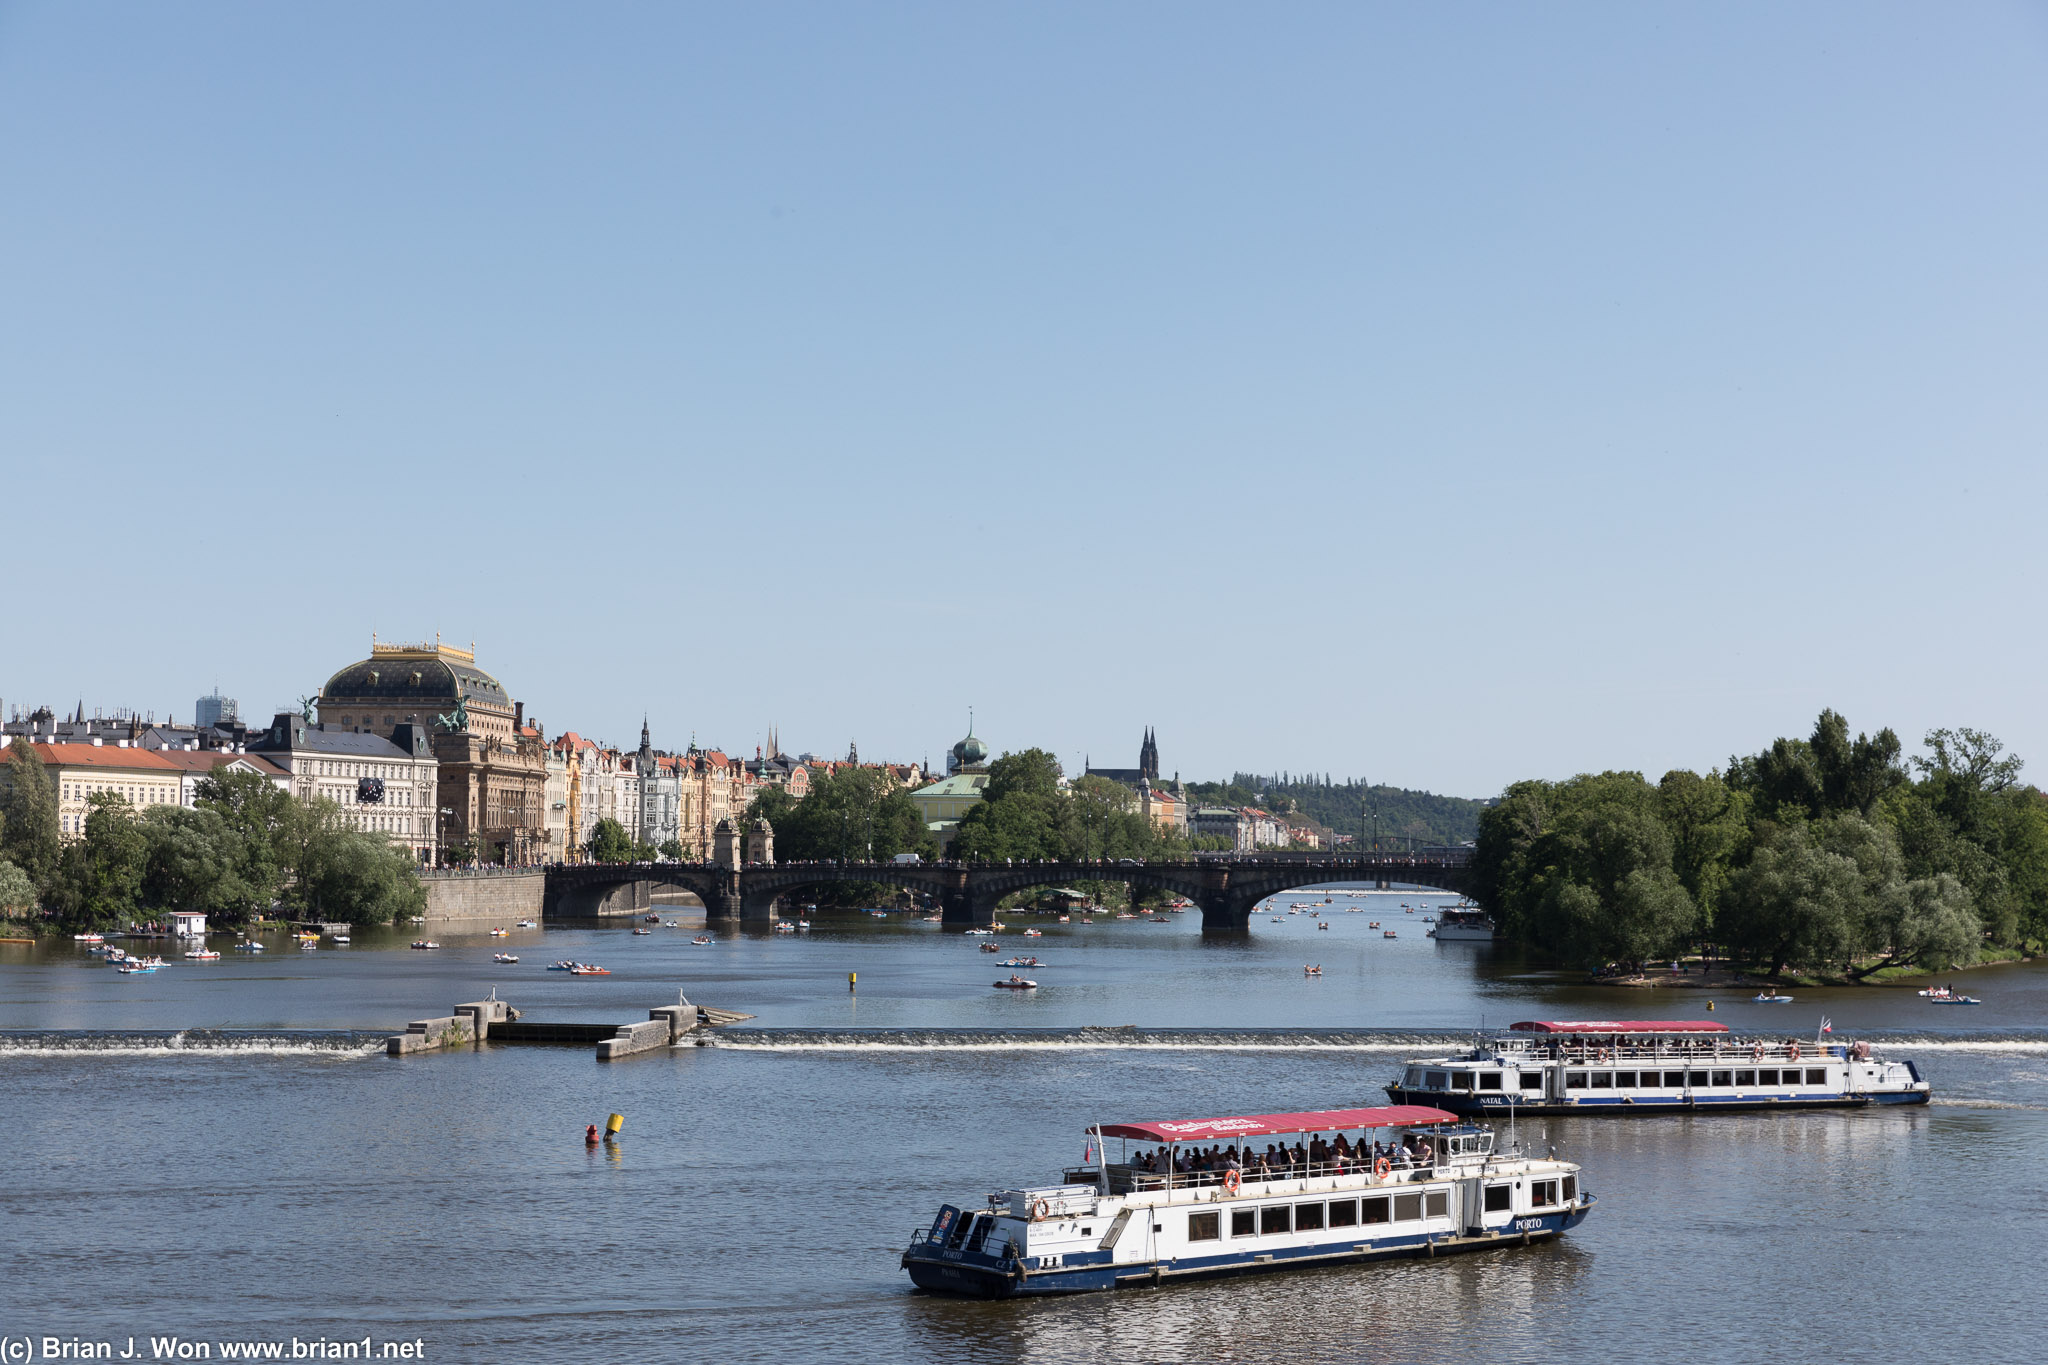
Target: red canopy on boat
x,y
1621,1026
1261,1125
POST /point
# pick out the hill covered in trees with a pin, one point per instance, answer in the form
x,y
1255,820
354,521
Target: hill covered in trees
x,y
1342,808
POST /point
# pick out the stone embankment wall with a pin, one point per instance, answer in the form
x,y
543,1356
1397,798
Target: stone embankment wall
x,y
500,897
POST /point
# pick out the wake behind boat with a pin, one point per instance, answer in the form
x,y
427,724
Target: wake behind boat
x,y
1434,1186
1648,1067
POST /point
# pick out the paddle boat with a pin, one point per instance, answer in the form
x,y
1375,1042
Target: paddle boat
x,y
1955,1000
651,919
990,948
1316,970
701,940
133,968
1034,933
252,946
1437,1187
1017,983
526,924
341,938
501,933
1770,998
1322,926
981,931
803,924
203,955
1653,1066
1064,919
1022,962
589,969
425,944
1388,933
309,945
88,938
561,966
784,927
642,933
504,957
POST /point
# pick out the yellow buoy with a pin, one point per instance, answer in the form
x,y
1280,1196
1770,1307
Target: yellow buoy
x,y
850,979
1710,1004
614,1123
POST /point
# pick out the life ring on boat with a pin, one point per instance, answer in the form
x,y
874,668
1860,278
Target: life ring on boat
x,y
1382,1168
1231,1180
1040,1211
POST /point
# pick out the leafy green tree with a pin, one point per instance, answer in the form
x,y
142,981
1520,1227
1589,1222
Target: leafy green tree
x,y
671,849
1795,904
28,814
1707,826
259,818
1854,774
17,891
359,877
1931,923
1608,890
609,843
99,882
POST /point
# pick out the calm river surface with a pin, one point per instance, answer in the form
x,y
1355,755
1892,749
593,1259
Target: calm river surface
x,y
206,1153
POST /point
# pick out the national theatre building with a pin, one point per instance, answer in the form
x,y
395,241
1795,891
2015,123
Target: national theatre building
x,y
493,767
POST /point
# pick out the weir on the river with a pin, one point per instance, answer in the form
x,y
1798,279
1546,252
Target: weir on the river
x,y
496,1021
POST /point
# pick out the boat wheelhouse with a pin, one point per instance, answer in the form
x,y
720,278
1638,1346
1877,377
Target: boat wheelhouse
x,y
1651,1067
1431,1185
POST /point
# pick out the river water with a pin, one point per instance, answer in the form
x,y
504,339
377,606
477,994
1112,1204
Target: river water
x,y
212,1153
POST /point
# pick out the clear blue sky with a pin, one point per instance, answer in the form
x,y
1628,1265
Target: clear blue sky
x,y
1662,373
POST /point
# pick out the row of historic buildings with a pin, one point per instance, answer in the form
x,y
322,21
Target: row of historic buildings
x,y
420,744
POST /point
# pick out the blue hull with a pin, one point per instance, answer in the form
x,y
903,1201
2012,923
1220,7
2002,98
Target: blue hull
x,y
983,1277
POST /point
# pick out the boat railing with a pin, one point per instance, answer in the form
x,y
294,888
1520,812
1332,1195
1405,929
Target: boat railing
x,y
1726,1054
1134,1180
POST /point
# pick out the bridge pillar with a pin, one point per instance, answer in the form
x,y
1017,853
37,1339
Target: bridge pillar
x,y
758,906
722,897
959,904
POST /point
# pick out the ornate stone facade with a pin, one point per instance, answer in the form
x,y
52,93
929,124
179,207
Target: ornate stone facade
x,y
493,773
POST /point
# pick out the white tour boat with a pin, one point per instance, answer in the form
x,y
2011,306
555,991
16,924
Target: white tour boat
x,y
1652,1067
1111,1225
1462,926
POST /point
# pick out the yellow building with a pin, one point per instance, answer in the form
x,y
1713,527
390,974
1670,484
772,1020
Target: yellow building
x,y
77,771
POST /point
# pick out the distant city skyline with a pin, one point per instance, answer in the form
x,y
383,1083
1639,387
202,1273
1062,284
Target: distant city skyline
x,y
1441,397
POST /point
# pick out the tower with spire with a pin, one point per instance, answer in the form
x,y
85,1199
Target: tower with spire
x,y
1148,757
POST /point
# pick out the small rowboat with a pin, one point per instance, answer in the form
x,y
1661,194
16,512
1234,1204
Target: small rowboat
x,y
1017,983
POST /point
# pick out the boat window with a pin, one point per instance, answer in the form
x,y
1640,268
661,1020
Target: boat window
x,y
1575,1080
1697,1078
1461,1080
1244,1222
1542,1193
979,1233
1603,1080
1724,1078
1439,1203
1489,1080
1745,1078
1766,1078
1272,1219
1343,1213
1407,1207
1817,1076
1415,1075
1438,1081
1571,1189
1674,1079
1308,1217
1532,1080
960,1230
1499,1198
1202,1227
1373,1210
1624,1080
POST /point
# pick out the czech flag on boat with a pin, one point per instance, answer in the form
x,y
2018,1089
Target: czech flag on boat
x,y
1827,1025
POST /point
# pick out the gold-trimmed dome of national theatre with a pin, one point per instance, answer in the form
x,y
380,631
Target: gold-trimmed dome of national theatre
x,y
492,766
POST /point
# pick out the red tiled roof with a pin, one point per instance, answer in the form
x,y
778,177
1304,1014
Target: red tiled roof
x,y
206,760
101,756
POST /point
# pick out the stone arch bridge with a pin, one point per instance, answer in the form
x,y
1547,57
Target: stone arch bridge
x,y
1225,888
